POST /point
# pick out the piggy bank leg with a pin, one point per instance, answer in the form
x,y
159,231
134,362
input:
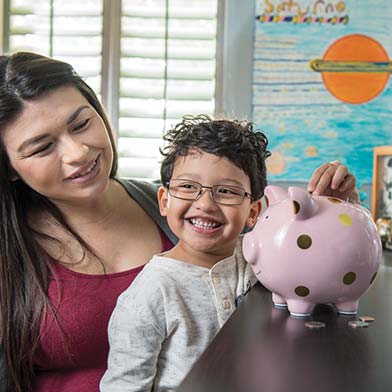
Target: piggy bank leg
x,y
348,307
300,308
278,301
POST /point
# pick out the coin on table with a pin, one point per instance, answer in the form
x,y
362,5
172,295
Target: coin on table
x,y
358,324
367,319
314,324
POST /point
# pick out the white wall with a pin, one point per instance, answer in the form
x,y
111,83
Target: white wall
x,y
1,26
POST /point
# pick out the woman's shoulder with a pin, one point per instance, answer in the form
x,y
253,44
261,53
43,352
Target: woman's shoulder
x,y
145,194
149,188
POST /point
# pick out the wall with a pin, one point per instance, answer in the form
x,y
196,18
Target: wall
x,y
308,119
1,26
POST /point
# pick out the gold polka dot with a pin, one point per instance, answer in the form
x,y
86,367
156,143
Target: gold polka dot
x,y
334,200
345,220
296,206
349,278
302,291
304,241
373,277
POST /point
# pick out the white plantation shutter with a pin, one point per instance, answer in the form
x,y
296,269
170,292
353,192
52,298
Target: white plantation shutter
x,y
166,66
167,70
68,30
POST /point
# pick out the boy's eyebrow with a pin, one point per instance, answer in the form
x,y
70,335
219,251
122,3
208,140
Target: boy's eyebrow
x,y
188,176
37,139
196,177
233,181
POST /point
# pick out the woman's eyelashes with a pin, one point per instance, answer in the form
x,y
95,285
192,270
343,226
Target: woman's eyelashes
x,y
42,149
82,125
45,148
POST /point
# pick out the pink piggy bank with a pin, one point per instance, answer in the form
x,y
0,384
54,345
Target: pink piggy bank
x,y
310,249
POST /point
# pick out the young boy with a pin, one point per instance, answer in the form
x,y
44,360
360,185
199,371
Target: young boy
x,y
213,177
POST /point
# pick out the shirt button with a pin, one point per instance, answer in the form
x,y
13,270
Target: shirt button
x,y
216,279
226,304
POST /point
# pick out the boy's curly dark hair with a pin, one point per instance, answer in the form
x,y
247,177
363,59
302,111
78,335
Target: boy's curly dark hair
x,y
234,140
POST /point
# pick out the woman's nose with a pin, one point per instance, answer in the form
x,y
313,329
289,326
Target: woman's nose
x,y
74,150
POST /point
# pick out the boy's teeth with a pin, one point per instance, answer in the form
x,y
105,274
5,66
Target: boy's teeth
x,y
204,225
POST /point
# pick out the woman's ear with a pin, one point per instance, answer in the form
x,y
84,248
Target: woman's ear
x,y
163,200
254,212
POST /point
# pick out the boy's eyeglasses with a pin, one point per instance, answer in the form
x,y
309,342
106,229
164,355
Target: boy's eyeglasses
x,y
222,194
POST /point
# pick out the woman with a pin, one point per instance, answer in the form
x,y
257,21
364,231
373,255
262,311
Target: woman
x,y
73,236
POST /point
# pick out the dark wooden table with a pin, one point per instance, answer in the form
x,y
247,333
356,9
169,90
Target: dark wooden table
x,y
263,349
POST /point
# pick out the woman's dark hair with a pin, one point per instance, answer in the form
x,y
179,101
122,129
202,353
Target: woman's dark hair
x,y
234,140
25,265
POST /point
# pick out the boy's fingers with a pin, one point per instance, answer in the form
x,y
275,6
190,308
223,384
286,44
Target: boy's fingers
x,y
325,180
339,176
332,178
316,176
349,182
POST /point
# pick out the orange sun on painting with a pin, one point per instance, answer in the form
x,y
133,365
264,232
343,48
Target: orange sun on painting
x,y
355,68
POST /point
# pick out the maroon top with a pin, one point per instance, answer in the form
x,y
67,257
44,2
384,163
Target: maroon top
x,y
72,354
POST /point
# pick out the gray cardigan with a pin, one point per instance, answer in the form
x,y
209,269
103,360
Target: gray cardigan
x,y
145,194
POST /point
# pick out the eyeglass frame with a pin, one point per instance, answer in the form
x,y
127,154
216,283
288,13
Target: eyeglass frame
x,y
211,192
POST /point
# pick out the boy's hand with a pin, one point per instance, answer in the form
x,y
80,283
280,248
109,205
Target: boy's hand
x,y
334,179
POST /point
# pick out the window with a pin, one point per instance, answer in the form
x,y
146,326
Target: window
x,y
67,30
152,61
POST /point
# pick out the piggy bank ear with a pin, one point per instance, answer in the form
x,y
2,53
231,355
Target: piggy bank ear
x,y
304,206
274,194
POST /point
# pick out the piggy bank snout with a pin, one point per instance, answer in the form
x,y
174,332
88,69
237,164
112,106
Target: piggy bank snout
x,y
250,248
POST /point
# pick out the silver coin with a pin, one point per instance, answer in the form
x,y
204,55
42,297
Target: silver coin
x,y
358,324
367,319
314,324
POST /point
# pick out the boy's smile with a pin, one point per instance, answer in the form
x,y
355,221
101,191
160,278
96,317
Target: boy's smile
x,y
202,225
207,231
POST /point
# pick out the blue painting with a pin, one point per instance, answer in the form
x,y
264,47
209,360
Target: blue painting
x,y
321,89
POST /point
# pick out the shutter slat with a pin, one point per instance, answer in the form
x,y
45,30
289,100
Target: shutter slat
x,y
177,49
178,90
138,167
139,147
176,69
154,108
179,29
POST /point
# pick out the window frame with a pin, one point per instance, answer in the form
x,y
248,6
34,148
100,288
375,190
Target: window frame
x,y
234,57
